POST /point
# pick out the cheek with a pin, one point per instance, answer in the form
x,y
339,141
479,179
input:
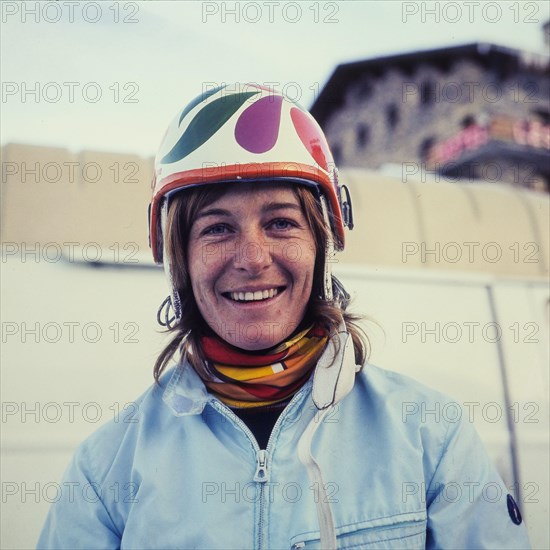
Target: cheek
x,y
308,264
205,267
192,264
303,270
198,269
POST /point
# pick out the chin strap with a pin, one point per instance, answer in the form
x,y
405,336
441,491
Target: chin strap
x,y
163,313
333,380
335,372
324,513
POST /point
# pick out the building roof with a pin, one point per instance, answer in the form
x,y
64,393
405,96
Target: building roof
x,y
333,94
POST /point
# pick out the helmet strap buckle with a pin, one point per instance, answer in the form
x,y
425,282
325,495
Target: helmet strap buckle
x,y
347,208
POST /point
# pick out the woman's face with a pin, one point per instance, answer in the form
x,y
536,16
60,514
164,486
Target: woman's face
x,y
251,256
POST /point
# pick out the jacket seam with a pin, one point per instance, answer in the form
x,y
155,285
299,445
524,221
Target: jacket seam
x,y
442,452
420,511
101,484
362,544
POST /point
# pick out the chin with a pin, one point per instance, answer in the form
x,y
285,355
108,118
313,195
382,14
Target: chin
x,y
249,344
256,346
256,336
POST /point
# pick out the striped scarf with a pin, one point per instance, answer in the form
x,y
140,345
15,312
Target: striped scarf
x,y
245,379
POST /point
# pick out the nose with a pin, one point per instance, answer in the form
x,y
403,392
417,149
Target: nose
x,y
253,253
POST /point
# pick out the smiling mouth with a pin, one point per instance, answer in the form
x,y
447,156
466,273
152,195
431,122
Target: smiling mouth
x,y
256,296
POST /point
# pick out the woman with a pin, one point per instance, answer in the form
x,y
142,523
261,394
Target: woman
x,y
269,433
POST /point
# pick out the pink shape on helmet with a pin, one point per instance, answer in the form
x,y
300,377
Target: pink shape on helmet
x,y
258,126
311,136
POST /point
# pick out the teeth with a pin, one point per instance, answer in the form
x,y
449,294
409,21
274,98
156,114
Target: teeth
x,y
253,296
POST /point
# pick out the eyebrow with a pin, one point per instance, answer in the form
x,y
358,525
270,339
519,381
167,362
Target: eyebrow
x,y
212,212
280,206
270,207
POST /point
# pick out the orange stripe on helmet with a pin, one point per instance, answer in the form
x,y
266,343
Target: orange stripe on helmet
x,y
260,172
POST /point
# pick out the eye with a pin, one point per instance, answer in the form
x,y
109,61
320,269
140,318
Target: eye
x,y
282,224
218,229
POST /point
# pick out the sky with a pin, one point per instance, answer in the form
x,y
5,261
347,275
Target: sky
x,y
110,75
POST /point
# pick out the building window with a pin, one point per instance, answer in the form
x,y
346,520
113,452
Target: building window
x,y
467,121
365,89
427,93
392,116
425,147
363,135
543,115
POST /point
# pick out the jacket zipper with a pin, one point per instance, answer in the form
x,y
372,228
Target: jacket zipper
x,y
261,475
264,454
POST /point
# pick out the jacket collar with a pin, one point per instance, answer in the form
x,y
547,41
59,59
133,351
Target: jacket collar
x,y
333,378
186,393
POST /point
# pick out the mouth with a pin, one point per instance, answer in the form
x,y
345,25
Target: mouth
x,y
262,295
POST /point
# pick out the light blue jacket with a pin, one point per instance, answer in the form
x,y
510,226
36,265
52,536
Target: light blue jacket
x,y
182,471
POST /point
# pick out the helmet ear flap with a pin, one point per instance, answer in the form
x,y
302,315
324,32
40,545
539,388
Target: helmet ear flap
x,y
329,253
174,299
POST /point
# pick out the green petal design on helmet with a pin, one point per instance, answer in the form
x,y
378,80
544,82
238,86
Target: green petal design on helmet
x,y
205,124
202,97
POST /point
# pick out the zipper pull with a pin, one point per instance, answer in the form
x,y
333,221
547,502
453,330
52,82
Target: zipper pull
x,y
261,474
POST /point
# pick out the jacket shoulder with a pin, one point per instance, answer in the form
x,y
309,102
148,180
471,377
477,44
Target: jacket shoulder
x,y
117,439
396,386
411,411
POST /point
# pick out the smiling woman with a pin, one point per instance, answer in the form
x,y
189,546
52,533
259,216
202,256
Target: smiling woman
x,y
246,215
238,240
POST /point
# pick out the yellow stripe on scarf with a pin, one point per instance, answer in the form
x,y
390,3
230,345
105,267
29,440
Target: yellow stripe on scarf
x,y
238,373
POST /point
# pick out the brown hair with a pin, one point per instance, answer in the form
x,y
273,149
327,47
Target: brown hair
x,y
187,332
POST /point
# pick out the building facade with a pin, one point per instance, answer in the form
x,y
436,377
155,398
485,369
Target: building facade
x,y
470,112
